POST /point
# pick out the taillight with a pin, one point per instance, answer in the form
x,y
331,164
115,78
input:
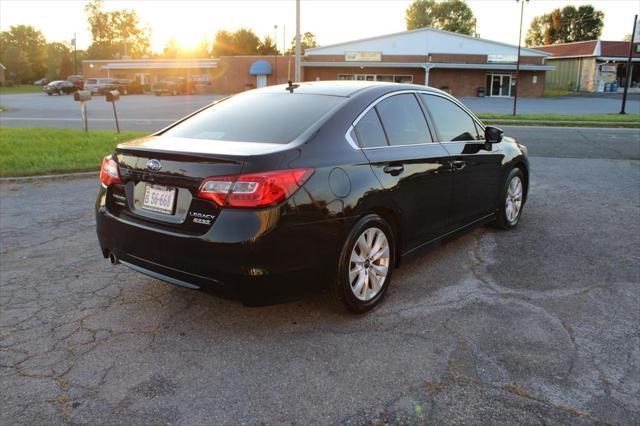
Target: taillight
x,y
109,171
253,190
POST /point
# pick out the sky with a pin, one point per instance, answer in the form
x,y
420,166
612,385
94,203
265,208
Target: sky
x,y
332,21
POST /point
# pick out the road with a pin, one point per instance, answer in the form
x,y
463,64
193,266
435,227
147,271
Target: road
x,y
536,325
151,113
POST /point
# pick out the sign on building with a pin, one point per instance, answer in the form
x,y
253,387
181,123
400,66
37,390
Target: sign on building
x,y
363,56
501,59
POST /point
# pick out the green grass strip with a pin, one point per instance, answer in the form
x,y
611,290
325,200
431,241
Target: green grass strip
x,y
36,151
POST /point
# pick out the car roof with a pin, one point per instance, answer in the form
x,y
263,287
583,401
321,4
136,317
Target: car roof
x,y
344,88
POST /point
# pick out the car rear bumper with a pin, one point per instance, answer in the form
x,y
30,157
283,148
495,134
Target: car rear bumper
x,y
239,250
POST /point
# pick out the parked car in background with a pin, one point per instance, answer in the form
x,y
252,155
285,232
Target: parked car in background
x,y
173,86
77,80
280,186
129,87
59,87
40,82
98,86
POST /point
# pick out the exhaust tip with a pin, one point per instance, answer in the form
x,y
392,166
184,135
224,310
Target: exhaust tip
x,y
113,258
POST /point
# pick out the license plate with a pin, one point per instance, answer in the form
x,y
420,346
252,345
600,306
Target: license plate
x,y
159,199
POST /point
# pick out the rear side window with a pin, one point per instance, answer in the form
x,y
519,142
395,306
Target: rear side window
x,y
403,120
257,117
452,123
369,131
91,81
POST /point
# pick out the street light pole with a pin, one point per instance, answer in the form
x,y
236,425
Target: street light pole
x,y
515,95
275,42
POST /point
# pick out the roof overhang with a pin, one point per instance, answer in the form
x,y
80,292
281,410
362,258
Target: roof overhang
x,y
617,58
427,65
159,65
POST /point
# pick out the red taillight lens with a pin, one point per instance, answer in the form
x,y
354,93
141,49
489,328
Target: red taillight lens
x,y
253,190
109,171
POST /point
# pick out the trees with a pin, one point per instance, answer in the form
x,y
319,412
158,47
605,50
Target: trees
x,y
566,25
23,51
59,61
267,47
242,42
307,41
116,33
449,15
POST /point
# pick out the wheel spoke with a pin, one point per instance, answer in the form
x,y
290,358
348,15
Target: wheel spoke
x,y
356,271
357,288
365,287
375,283
384,253
356,258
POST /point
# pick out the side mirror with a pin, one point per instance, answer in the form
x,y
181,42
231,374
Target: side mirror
x,y
82,95
493,134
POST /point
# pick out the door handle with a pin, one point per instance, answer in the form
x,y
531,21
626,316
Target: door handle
x,y
458,164
393,170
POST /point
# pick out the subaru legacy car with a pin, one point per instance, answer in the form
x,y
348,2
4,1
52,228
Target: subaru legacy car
x,y
338,182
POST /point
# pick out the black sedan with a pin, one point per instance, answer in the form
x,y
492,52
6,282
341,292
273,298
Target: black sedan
x,y
59,87
330,182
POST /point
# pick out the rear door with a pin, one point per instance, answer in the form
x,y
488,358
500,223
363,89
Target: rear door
x,y
476,165
395,137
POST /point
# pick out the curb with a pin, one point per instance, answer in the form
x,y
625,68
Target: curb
x,y
21,179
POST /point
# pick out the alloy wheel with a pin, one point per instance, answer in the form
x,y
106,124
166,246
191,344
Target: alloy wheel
x,y
513,202
369,264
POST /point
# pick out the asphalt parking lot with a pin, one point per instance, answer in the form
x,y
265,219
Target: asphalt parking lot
x,y
151,113
534,326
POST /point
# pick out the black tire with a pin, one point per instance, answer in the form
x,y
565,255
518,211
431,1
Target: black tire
x,y
48,93
341,288
502,221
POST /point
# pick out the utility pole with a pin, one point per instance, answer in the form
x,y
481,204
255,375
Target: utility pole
x,y
298,65
515,95
75,54
627,81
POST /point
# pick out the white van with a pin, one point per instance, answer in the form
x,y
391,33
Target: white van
x,y
98,86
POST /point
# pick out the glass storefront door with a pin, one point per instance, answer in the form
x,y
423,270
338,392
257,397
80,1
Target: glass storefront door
x,y
500,85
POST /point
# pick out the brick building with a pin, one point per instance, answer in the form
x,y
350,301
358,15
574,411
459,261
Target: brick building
x,y
459,64
227,74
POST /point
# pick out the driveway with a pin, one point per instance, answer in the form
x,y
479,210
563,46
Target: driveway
x,y
534,326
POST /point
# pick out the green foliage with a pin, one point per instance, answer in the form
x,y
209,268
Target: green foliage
x,y
242,42
566,25
59,61
33,151
307,41
23,51
448,15
267,47
116,32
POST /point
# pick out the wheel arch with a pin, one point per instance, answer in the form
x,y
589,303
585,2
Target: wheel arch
x,y
392,218
520,164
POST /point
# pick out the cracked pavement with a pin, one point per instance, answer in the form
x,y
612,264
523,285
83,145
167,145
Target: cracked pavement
x,y
534,326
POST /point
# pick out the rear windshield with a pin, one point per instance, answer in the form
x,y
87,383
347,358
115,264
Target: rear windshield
x,y
257,117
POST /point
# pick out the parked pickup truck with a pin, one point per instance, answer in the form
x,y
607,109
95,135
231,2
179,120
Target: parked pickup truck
x,y
175,86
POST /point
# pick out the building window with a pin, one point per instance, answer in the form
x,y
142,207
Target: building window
x,y
404,79
397,78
